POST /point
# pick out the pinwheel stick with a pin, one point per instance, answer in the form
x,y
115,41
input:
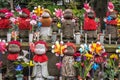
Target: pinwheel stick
x,y
81,28
0,66
109,38
86,38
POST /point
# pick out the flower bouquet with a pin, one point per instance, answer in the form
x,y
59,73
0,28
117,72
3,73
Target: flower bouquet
x,y
89,59
111,68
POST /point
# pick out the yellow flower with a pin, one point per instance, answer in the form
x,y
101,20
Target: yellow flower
x,y
114,56
30,63
96,48
58,25
38,10
89,56
58,48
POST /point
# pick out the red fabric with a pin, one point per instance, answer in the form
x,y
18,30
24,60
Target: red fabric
x,y
108,13
40,58
12,57
41,42
15,42
90,24
4,10
24,24
4,23
112,22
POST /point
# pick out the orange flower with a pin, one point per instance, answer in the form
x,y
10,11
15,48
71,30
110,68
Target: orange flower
x,y
96,48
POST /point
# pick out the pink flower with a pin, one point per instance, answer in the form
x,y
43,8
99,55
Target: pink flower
x,y
58,13
2,46
33,22
8,14
12,19
59,65
34,16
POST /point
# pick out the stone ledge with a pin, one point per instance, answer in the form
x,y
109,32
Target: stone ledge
x,y
108,47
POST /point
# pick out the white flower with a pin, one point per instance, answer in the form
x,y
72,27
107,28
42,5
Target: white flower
x,y
33,22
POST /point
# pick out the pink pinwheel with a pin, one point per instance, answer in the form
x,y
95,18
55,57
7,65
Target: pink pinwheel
x,y
2,46
34,16
58,13
8,14
59,65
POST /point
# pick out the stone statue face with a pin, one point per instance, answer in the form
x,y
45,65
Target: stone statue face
x,y
13,48
40,49
91,14
69,51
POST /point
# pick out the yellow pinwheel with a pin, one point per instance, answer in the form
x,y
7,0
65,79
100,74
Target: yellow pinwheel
x,y
96,48
58,48
38,10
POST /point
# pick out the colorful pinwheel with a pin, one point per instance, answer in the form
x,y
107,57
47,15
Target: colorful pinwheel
x,y
83,48
96,48
58,48
58,13
2,46
38,10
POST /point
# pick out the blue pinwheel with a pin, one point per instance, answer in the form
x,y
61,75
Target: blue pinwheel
x,y
95,66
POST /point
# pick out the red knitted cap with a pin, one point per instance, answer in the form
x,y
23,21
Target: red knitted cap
x,y
41,42
15,42
26,11
4,10
72,45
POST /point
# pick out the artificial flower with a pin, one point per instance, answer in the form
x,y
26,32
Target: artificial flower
x,y
38,10
96,48
58,48
58,13
89,56
114,56
95,66
2,46
33,22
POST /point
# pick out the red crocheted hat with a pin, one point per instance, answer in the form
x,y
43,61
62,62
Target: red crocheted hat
x,y
110,6
86,7
41,42
72,45
4,10
26,11
15,42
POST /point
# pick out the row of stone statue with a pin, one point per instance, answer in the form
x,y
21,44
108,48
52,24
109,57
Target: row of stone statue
x,y
44,26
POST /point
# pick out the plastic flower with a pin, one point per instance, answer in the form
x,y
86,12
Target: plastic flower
x,y
118,20
114,56
95,66
2,46
19,68
8,14
109,18
58,13
89,56
34,16
33,22
59,65
96,48
38,10
58,48
83,48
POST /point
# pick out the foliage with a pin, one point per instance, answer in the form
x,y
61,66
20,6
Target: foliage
x,y
116,4
4,3
112,68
